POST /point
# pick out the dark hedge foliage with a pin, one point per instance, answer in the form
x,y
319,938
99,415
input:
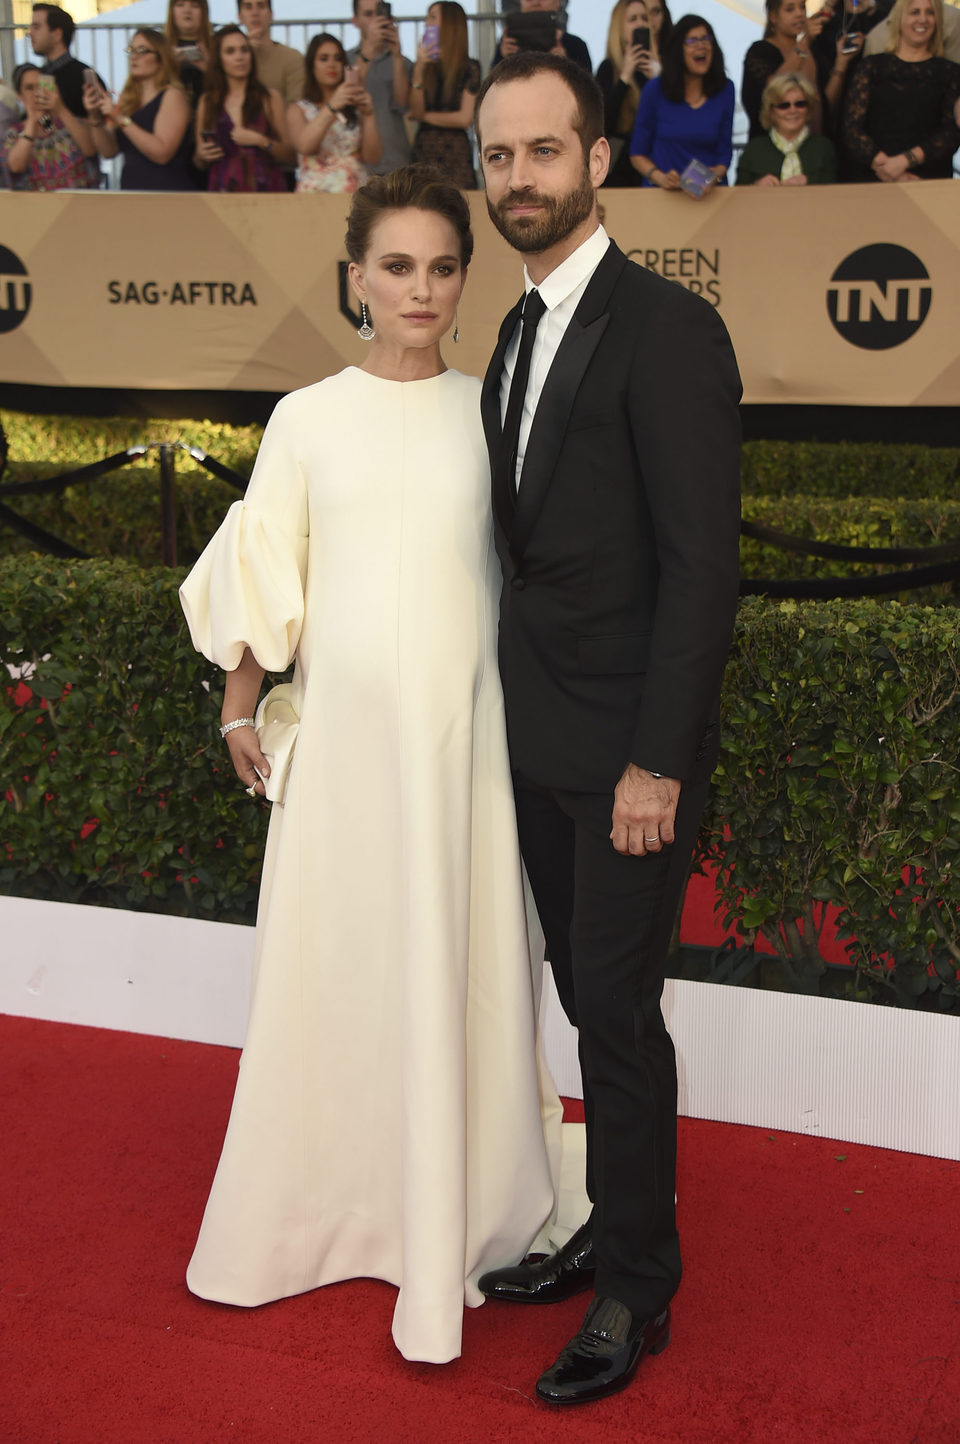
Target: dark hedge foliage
x,y
837,783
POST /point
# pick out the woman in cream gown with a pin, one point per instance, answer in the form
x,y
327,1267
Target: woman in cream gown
x,y
387,1118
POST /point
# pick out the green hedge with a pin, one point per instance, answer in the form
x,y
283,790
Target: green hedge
x,y
837,783
119,515
846,468
853,521
121,729
770,468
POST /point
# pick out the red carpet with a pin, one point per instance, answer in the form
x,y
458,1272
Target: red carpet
x,y
821,1303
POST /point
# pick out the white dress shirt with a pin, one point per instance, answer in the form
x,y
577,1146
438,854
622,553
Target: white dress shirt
x,y
561,292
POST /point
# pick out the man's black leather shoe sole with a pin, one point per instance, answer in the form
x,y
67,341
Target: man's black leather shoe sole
x,y
550,1280
604,1356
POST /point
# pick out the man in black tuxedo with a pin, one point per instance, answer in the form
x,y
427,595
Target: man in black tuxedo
x,y
610,408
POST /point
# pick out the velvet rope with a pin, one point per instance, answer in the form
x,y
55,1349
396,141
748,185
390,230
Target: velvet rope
x,y
833,551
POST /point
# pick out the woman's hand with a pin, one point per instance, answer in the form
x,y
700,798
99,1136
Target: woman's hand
x,y
631,63
247,758
109,108
668,180
363,101
815,23
246,135
343,95
889,167
426,57
842,58
207,152
508,46
92,95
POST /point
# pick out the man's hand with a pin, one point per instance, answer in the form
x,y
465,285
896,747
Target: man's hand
x,y
644,808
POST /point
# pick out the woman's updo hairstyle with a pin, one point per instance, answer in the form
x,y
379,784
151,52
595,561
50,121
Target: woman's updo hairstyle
x,y
412,186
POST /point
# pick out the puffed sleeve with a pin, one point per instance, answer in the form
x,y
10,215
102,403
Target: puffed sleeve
x,y
247,587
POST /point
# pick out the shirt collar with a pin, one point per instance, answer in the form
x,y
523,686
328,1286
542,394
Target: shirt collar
x,y
52,66
572,272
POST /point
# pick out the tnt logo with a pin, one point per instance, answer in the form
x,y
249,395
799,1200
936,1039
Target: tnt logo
x,y
879,297
15,291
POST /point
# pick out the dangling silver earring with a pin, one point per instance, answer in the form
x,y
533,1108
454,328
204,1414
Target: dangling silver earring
x,y
366,331
456,324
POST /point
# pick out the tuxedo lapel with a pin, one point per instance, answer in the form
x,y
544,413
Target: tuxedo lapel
x,y
559,393
503,505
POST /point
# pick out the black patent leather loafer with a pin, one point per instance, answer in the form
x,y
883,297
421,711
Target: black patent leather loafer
x,y
604,1356
549,1280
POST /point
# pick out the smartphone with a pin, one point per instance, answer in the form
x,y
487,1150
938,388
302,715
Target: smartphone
x,y
532,30
90,77
189,53
431,41
385,9
641,37
351,75
46,88
209,137
849,46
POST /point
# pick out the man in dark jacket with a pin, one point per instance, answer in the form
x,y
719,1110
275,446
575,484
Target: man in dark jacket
x,y
611,414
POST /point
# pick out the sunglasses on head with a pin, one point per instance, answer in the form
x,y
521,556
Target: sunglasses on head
x,y
791,105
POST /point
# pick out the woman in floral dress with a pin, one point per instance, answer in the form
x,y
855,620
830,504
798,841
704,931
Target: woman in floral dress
x,y
333,128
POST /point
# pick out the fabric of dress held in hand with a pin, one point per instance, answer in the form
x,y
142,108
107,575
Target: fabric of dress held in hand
x,y
387,1118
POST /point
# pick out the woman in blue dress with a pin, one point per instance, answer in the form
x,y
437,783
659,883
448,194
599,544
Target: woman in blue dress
x,y
686,112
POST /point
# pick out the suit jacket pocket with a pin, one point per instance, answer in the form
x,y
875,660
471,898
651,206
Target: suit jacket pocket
x,y
600,655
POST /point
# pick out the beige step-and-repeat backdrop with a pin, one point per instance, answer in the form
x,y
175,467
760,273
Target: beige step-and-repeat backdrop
x,y
834,295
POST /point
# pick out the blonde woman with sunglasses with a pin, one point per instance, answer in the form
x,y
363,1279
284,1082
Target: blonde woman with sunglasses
x,y
789,153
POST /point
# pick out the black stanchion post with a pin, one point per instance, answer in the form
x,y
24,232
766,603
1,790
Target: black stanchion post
x,y
168,504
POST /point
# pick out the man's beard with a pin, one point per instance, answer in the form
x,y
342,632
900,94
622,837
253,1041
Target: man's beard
x,y
559,216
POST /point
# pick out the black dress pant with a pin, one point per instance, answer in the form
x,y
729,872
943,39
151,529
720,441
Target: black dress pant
x,y
608,920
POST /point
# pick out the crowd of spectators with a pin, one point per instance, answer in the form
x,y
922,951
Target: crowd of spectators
x,y
862,90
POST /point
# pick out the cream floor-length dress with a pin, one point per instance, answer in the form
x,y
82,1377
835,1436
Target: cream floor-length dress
x,y
388,1118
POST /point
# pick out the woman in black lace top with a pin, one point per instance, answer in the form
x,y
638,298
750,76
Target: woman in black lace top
x,y
784,49
443,95
899,122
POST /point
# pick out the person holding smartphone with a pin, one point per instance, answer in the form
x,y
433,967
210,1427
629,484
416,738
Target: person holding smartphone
x,y
628,65
150,123
443,94
190,35
49,149
787,49
332,127
564,43
240,129
386,75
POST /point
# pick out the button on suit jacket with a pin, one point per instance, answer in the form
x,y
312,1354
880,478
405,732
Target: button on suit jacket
x,y
620,550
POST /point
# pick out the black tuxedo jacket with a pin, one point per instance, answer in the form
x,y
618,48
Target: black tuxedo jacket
x,y
620,552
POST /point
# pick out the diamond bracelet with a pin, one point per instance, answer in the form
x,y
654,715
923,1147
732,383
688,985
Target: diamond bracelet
x,y
237,722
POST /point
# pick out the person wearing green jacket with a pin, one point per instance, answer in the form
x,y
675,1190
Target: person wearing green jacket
x,y
791,152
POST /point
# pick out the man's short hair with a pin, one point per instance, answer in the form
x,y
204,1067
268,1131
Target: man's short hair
x,y
588,121
240,6
58,19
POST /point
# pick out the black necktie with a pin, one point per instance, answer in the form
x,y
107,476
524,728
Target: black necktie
x,y
533,309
